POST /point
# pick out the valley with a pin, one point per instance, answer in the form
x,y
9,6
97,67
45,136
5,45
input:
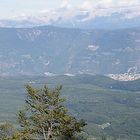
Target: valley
x,y
110,107
70,70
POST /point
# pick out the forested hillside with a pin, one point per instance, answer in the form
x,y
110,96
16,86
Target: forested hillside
x,y
52,50
107,111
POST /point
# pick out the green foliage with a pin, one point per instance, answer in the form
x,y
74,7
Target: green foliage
x,y
46,117
6,131
111,112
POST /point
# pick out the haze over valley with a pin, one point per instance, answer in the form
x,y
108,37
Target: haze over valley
x,y
52,50
70,70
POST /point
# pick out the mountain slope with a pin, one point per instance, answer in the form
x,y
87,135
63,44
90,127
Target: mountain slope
x,y
107,111
39,50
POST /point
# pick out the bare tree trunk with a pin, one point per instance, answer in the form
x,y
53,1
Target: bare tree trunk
x,y
44,134
49,132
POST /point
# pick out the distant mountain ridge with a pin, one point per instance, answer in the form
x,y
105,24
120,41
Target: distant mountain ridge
x,y
82,19
54,50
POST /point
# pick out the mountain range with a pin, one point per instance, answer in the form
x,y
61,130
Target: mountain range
x,y
101,19
53,50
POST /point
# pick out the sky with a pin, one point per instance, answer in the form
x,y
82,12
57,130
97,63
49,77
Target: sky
x,y
10,8
17,8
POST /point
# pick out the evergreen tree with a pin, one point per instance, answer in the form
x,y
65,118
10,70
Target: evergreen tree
x,y
46,117
6,131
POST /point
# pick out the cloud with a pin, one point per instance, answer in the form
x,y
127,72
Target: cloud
x,y
130,8
65,4
127,2
86,5
95,8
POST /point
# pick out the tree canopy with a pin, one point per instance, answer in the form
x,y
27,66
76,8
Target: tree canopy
x,y
44,117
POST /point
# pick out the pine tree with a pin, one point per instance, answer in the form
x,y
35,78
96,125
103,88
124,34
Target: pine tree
x,y
46,117
6,131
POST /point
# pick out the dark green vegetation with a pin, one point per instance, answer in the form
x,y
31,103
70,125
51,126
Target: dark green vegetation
x,y
108,111
34,51
44,117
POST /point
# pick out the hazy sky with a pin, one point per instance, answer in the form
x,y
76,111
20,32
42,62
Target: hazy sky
x,y
10,8
13,8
